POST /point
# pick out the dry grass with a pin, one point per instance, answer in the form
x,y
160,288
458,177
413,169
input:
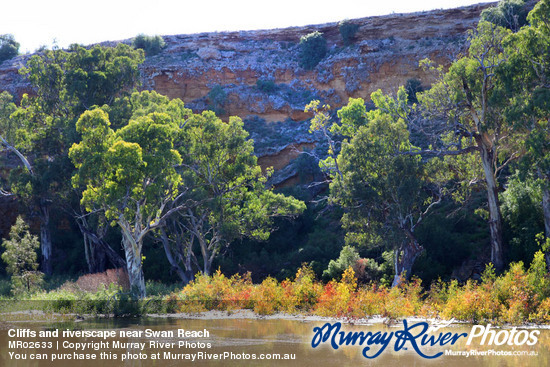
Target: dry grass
x,y
93,282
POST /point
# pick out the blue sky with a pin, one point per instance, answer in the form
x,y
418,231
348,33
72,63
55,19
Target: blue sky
x,y
40,22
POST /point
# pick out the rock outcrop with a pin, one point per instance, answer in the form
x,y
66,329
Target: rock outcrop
x,y
263,83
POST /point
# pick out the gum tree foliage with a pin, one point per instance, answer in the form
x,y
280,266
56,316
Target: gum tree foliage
x,y
7,131
468,102
523,216
152,45
190,178
511,14
527,86
527,83
65,84
225,199
21,258
313,48
9,47
129,174
7,128
386,194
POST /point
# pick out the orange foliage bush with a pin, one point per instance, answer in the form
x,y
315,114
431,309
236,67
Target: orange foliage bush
x,y
516,296
216,293
337,297
268,297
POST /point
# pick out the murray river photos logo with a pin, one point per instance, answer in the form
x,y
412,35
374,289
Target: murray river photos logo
x,y
420,336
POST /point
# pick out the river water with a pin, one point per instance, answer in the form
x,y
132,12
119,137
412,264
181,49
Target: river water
x,y
241,340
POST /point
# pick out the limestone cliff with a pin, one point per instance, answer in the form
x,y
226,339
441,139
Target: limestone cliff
x,y
257,76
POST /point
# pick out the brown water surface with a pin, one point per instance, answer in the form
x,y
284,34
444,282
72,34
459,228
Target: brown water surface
x,y
249,337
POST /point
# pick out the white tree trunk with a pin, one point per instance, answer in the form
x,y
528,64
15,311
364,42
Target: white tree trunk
x,y
495,218
207,257
132,250
172,260
45,239
404,260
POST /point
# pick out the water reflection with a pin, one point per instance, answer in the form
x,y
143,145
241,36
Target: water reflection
x,y
239,336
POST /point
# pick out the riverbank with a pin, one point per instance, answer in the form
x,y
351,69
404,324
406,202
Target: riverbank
x,y
11,318
516,297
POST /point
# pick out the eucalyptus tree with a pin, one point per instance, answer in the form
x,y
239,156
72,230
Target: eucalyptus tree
x,y
468,101
192,179
129,174
9,47
226,196
7,132
385,192
65,84
526,78
527,86
511,14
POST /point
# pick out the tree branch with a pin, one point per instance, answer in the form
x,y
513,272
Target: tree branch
x,y
440,153
19,154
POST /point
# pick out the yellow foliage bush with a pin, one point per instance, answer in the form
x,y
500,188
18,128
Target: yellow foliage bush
x,y
516,296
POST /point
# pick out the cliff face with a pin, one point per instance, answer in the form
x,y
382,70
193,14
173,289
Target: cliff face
x,y
256,74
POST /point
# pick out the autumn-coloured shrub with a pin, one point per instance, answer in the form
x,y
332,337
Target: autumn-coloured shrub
x,y
370,300
472,303
437,296
337,297
302,293
217,292
404,300
543,312
539,277
268,297
516,296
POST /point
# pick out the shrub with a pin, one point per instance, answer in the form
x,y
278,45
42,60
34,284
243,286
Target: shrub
x,y
313,47
538,277
515,294
543,312
9,48
437,297
216,293
302,294
348,257
156,288
94,282
268,297
152,45
337,297
472,303
217,99
371,301
405,300
266,85
511,14
348,31
5,287
21,259
367,270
